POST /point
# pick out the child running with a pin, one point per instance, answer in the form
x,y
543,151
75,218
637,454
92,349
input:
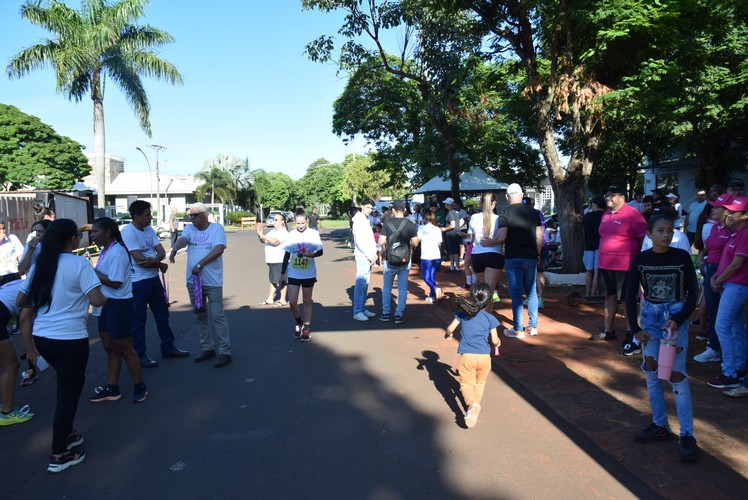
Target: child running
x,y
669,281
475,350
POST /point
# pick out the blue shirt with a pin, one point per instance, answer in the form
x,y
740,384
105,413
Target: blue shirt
x,y
475,332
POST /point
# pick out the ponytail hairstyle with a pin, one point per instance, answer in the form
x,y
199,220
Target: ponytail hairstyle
x,y
107,224
59,232
480,295
489,198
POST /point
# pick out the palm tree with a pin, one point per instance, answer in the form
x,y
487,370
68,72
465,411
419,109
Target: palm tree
x,y
218,182
97,41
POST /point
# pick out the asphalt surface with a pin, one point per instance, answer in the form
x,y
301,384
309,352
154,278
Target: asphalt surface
x,y
364,410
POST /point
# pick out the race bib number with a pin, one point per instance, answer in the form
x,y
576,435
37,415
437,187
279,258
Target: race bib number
x,y
301,263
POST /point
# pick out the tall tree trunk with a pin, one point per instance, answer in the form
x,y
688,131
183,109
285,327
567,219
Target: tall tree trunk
x,y
99,152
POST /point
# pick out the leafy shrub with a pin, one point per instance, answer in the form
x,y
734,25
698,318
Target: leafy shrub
x,y
236,217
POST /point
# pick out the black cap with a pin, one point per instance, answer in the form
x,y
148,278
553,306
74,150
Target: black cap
x,y
736,183
616,188
398,205
658,191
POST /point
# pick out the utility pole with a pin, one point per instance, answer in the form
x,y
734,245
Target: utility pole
x,y
158,148
150,172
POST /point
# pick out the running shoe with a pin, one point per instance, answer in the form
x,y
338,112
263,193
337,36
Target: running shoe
x,y
140,393
653,433
74,440
514,334
687,448
306,334
384,317
399,319
708,356
724,382
106,393
531,331
67,459
297,331
16,416
471,418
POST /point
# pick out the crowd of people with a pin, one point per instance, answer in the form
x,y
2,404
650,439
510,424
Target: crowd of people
x,y
634,253
52,306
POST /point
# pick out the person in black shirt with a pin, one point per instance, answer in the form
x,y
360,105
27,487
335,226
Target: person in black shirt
x,y
314,222
591,225
670,286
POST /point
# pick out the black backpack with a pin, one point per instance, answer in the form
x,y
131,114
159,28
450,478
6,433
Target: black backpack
x,y
398,251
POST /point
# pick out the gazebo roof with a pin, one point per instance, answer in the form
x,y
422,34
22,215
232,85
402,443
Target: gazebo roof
x,y
474,180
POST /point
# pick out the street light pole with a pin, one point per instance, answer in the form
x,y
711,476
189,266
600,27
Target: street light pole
x,y
150,173
158,148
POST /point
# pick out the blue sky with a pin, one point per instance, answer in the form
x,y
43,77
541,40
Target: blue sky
x,y
249,89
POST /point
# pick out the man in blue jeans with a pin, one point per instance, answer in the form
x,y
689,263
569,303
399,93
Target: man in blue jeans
x,y
396,231
147,255
365,253
521,232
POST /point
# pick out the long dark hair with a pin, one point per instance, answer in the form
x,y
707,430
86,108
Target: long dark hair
x,y
480,294
107,224
59,232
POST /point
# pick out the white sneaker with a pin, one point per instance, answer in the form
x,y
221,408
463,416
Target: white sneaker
x,y
369,314
514,334
471,418
532,331
708,356
360,317
429,300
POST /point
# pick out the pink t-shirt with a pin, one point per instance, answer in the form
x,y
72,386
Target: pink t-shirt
x,y
715,243
620,238
737,246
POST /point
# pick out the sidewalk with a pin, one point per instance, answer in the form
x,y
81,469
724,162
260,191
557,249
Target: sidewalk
x,y
596,390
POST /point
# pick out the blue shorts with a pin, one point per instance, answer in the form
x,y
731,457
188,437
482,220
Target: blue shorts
x,y
116,318
590,260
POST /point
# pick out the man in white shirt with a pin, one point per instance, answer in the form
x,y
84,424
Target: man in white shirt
x,y
692,217
206,242
147,291
638,202
365,253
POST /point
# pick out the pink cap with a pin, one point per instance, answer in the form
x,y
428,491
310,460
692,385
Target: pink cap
x,y
739,204
724,199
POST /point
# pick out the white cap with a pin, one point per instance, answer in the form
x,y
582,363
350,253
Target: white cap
x,y
449,201
514,189
671,195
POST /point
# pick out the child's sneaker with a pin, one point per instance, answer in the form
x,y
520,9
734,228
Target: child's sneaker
x,y
514,334
306,334
16,416
471,417
687,448
106,393
68,459
139,394
531,331
653,433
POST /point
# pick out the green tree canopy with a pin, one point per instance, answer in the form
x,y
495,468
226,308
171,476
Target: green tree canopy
x,y
273,190
322,184
33,155
217,183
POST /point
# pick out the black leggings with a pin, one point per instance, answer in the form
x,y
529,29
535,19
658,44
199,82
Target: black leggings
x,y
69,359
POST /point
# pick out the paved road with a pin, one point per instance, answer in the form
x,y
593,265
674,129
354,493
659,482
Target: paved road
x,y
347,415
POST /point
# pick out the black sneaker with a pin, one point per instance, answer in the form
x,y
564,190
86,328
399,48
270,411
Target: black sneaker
x,y
73,441
384,317
399,319
68,459
630,348
722,381
106,393
139,394
653,433
687,448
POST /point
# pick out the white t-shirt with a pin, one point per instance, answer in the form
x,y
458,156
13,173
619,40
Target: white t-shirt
x,y
200,244
274,254
146,241
67,315
694,210
116,264
11,250
475,227
301,266
8,294
680,240
431,238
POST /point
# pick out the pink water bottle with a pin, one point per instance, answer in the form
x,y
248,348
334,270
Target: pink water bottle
x,y
666,356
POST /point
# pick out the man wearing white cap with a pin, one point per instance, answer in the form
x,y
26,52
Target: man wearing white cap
x,y
673,199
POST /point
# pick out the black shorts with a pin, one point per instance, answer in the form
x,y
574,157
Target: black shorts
x,y
303,283
481,261
5,318
116,318
274,272
453,243
612,282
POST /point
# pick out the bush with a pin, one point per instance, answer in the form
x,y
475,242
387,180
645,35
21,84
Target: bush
x,y
472,205
236,217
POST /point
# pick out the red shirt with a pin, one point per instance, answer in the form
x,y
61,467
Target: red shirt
x,y
737,246
620,238
715,243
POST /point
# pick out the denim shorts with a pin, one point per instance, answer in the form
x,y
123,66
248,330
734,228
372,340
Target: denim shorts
x,y
116,318
590,260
